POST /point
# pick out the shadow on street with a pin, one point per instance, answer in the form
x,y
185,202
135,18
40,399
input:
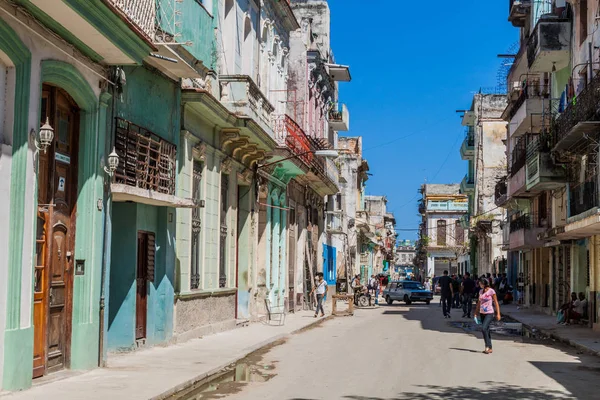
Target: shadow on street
x,y
487,391
579,378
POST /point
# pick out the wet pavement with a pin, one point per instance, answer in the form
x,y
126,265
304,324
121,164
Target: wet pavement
x,y
404,352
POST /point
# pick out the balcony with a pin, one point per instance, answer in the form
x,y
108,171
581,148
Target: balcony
x,y
531,109
141,12
583,197
147,167
334,222
524,232
242,96
542,173
579,119
517,182
467,149
113,32
288,134
518,11
549,45
501,192
467,185
339,118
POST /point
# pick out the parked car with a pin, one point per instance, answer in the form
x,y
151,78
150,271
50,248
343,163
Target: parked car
x,y
407,291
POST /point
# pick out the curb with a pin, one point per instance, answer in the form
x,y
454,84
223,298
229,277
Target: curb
x,y
245,353
558,338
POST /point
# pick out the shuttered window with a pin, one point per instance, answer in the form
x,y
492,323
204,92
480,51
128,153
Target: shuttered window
x,y
151,252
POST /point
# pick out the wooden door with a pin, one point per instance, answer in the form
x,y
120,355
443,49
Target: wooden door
x,y
55,235
146,249
141,281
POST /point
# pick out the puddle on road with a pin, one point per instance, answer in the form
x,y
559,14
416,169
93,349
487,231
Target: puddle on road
x,y
251,369
505,327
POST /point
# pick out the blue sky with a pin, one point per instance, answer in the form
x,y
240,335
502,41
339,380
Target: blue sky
x,y
413,64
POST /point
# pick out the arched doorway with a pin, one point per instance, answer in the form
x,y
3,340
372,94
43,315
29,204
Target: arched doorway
x,y
55,234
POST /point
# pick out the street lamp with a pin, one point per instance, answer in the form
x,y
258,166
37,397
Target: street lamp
x,y
44,137
329,153
113,163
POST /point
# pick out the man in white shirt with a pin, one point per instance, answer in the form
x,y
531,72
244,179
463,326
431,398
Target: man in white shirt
x,y
321,290
427,284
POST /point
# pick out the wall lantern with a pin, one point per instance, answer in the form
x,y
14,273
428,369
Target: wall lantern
x,y
113,163
44,138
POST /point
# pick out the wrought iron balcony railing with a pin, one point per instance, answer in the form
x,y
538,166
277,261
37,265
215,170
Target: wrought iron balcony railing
x,y
583,197
583,108
518,156
146,160
520,223
289,134
470,136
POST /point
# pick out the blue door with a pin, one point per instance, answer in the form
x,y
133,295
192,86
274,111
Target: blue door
x,y
329,264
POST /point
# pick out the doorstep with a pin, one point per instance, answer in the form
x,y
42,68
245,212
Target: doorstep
x,y
159,372
581,337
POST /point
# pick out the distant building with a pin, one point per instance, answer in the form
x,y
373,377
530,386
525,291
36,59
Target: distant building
x,y
442,232
405,253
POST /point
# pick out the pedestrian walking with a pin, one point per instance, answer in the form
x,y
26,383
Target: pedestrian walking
x,y
321,291
427,284
456,292
468,289
445,283
376,287
487,308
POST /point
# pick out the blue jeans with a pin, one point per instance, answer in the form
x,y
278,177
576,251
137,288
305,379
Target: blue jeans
x,y
377,295
319,304
486,320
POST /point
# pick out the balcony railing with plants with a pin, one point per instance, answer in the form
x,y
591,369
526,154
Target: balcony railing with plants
x,y
530,90
146,160
583,108
520,223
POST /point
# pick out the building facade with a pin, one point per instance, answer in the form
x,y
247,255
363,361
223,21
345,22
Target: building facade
x,y
551,190
484,150
159,172
443,238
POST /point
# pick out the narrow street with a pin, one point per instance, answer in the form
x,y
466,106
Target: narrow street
x,y
410,352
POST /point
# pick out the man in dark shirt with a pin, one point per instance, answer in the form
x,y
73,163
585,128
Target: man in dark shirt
x,y
468,289
445,283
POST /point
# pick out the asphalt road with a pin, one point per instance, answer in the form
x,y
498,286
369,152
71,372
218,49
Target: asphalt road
x,y
410,352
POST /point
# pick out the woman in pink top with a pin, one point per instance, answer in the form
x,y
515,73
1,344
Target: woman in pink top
x,y
487,307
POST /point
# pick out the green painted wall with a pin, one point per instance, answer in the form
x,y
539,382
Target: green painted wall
x,y
197,26
18,341
151,101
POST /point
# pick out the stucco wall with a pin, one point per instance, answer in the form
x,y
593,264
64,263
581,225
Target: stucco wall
x,y
196,317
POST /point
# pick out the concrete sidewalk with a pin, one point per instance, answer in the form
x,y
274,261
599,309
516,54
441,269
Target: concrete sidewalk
x,y
581,337
158,372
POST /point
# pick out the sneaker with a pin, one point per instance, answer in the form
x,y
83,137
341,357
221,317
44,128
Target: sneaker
x,y
449,316
464,316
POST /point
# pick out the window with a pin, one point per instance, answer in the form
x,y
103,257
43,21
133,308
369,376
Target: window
x,y
441,232
459,233
223,236
196,226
